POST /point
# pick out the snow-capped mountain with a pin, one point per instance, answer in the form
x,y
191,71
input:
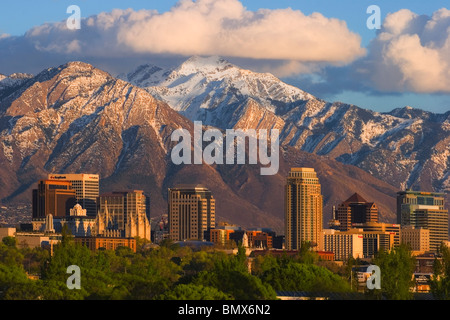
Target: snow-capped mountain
x,y
213,90
406,147
77,118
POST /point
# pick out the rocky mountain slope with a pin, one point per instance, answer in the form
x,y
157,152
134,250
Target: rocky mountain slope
x,y
406,147
76,118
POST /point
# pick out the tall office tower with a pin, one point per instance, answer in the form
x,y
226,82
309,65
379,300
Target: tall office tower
x,y
303,209
192,212
424,210
123,214
53,197
356,210
86,186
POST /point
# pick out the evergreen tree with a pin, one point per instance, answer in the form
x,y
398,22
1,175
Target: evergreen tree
x,y
397,268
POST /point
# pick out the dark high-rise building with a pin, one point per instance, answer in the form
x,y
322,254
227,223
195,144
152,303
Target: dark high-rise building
x,y
192,212
356,210
53,197
424,210
303,209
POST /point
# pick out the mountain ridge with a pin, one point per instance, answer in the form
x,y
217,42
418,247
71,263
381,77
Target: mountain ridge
x,y
77,118
407,147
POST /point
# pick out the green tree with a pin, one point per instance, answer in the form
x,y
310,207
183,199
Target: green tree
x,y
440,284
9,241
10,255
34,259
263,263
11,276
306,255
151,274
293,276
230,275
240,285
194,292
397,268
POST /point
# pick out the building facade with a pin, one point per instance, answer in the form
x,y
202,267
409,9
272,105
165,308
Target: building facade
x,y
86,186
356,210
356,242
417,238
192,211
123,214
343,244
53,197
424,210
409,200
7,232
391,228
107,243
78,223
303,209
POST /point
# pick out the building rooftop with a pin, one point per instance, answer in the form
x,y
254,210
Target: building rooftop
x,y
422,193
119,193
189,186
355,198
303,169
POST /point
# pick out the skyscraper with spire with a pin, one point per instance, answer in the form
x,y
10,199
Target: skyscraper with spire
x,y
303,209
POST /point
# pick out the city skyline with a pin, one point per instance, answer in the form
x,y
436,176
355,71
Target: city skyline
x,y
351,213
120,223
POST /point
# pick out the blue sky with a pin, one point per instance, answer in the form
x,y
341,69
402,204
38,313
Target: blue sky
x,y
18,17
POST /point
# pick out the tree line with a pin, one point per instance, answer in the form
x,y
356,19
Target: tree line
x,y
171,272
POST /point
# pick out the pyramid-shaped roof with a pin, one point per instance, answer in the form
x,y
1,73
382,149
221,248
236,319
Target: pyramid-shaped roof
x,y
355,198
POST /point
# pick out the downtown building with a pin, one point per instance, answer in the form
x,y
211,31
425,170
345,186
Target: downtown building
x,y
388,228
53,197
86,187
303,209
192,212
417,238
344,244
122,214
356,242
356,210
424,210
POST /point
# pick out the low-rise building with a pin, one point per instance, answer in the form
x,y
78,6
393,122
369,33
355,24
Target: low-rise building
x,y
107,243
7,232
343,244
37,239
417,238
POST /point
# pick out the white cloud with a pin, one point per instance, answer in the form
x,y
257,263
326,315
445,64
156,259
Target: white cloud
x,y
207,27
411,53
225,27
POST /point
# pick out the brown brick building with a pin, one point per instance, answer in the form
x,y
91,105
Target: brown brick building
x,y
356,210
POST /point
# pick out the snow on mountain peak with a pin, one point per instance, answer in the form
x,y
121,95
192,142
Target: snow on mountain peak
x,y
146,75
13,79
213,83
197,64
